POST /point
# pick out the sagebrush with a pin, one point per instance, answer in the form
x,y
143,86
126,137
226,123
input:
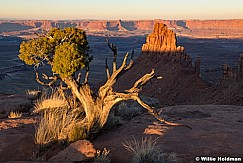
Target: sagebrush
x,y
148,151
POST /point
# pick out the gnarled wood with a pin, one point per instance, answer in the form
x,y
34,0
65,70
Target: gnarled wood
x,y
97,107
44,76
107,69
114,50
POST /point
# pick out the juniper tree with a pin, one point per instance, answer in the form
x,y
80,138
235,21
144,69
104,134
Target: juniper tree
x,y
66,51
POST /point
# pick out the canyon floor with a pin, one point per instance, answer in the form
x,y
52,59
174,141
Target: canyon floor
x,y
213,53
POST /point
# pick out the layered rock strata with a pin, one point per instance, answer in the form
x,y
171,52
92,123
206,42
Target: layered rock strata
x,y
131,24
187,28
162,43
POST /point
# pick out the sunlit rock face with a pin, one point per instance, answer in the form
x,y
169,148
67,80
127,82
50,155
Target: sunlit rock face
x,y
161,40
162,44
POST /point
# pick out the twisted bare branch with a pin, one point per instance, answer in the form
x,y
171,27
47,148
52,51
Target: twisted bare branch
x,y
137,87
79,77
107,69
156,114
54,79
111,81
114,50
131,62
86,75
44,76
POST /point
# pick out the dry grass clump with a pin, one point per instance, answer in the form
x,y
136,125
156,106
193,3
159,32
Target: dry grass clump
x,y
16,114
34,94
102,156
148,151
56,125
59,120
54,100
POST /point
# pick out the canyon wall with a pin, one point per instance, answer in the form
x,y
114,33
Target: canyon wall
x,y
204,24
130,24
187,28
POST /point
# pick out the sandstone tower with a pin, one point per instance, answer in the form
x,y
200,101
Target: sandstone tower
x,y
161,40
162,45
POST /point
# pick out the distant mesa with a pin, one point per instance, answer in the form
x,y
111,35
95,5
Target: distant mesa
x,y
129,25
189,28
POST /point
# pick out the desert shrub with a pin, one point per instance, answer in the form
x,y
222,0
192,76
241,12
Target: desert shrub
x,y
16,114
127,112
113,121
129,109
148,151
102,156
172,157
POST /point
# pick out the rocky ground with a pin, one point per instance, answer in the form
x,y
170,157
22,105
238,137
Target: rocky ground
x,y
17,139
8,103
216,131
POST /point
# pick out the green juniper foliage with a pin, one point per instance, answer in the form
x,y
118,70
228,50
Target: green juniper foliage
x,y
65,50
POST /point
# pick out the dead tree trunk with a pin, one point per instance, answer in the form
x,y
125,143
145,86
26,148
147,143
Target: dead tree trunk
x,y
97,108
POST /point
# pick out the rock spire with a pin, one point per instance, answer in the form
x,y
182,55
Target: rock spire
x,y
163,44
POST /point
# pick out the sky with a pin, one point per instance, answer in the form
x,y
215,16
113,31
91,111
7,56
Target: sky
x,y
121,9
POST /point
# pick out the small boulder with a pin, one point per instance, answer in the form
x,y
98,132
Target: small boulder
x,y
80,150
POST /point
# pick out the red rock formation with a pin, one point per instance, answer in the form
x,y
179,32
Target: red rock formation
x,y
228,72
96,25
180,84
144,24
120,26
46,24
161,40
141,24
214,24
188,28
